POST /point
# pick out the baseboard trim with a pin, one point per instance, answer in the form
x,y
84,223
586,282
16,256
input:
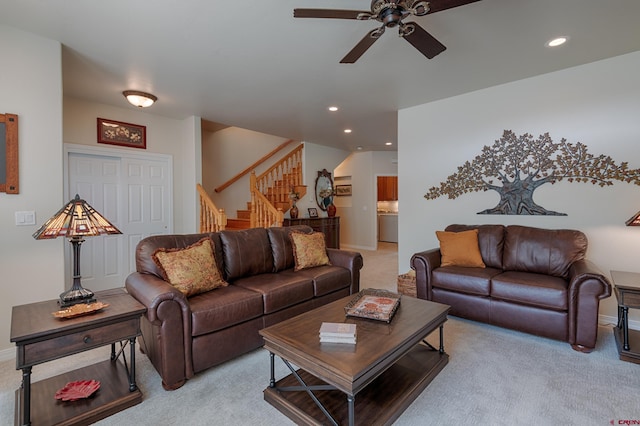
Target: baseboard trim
x,y
7,354
610,320
350,247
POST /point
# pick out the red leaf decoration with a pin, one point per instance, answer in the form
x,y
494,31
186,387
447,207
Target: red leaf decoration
x,y
74,391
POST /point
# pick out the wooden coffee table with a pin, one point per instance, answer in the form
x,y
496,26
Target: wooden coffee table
x,y
371,382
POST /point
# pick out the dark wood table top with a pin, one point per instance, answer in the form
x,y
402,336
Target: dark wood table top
x,y
626,280
35,321
351,367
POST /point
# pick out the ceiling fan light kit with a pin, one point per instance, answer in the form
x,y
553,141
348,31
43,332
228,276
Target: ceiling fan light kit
x,y
390,14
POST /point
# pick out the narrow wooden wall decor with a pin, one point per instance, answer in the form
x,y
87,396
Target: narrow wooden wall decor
x,y
9,174
515,166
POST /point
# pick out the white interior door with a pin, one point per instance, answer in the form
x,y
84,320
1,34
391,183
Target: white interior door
x,y
133,193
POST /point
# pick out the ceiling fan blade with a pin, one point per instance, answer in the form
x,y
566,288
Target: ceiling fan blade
x,y
362,46
329,13
421,40
438,5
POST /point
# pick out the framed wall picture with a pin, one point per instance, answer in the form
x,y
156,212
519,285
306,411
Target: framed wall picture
x,y
343,190
313,212
9,163
123,134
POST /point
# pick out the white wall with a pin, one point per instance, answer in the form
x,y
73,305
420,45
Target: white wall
x,y
178,138
31,86
226,153
597,104
358,212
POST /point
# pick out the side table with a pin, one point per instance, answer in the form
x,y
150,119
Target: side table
x,y
40,337
627,290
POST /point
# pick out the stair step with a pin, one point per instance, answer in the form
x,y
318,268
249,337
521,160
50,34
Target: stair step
x,y
238,224
243,214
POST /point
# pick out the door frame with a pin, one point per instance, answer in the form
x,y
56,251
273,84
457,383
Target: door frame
x,y
120,153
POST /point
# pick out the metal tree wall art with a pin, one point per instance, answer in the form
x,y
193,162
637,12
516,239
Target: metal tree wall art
x,y
515,166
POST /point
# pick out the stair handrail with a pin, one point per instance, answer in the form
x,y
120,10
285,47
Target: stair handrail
x,y
287,172
263,213
212,219
253,166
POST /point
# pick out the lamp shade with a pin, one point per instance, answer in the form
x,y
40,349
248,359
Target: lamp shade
x,y
76,219
634,220
139,99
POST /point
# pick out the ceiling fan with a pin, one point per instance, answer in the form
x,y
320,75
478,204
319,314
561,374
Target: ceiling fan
x,y
391,14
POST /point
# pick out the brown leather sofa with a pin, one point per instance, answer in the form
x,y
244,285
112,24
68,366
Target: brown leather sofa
x,y
535,280
183,336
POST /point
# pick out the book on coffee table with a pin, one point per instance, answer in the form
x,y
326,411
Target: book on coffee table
x,y
336,332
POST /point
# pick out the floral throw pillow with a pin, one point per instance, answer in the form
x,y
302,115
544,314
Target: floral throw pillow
x,y
309,250
192,270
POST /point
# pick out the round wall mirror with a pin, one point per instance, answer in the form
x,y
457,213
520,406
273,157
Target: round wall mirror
x,y
324,189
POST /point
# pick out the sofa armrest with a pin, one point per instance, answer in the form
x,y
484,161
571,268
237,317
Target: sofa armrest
x,y
350,260
167,340
424,263
587,285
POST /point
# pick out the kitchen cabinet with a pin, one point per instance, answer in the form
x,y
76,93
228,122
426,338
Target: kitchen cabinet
x,y
387,188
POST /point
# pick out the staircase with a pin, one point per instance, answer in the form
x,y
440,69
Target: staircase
x,y
270,195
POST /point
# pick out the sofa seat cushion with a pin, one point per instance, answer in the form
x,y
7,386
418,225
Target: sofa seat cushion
x,y
222,308
327,279
475,281
526,288
279,291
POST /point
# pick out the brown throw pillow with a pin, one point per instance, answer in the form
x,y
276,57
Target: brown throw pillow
x,y
460,249
309,250
192,270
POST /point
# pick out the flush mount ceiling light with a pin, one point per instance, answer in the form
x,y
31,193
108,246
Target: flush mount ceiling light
x,y
558,41
139,99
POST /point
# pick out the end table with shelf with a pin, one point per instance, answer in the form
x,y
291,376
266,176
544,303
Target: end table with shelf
x,y
40,337
627,290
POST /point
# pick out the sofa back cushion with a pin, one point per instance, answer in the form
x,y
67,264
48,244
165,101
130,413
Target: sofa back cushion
x,y
246,252
543,251
281,247
147,246
490,241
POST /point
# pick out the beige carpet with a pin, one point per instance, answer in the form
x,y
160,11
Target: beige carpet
x,y
494,377
380,268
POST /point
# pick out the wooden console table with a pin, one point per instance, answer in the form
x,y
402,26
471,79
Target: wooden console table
x,y
627,290
329,226
40,337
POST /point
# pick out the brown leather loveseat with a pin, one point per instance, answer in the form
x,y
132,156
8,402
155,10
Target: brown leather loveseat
x,y
183,336
535,280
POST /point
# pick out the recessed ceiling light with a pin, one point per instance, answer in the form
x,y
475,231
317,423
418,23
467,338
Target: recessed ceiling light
x,y
558,41
388,143
347,130
333,108
359,148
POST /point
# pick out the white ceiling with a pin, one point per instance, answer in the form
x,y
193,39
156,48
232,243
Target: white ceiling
x,y
250,64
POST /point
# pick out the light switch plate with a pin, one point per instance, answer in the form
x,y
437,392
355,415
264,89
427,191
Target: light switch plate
x,y
25,218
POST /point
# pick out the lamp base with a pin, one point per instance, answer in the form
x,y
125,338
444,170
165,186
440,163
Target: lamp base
x,y
75,296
